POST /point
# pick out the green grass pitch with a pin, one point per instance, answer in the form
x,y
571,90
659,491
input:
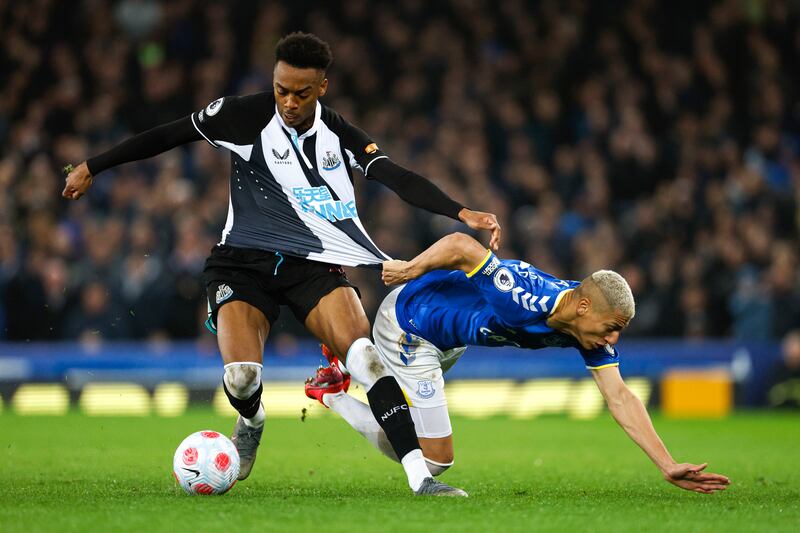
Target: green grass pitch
x,y
76,473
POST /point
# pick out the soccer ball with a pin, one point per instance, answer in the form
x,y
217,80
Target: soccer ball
x,y
206,462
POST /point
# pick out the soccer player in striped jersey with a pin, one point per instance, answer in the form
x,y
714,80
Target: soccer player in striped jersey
x,y
458,294
292,221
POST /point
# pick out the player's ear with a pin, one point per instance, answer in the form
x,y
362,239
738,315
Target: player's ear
x,y
584,306
323,87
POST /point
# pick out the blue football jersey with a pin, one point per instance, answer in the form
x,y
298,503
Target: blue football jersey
x,y
499,303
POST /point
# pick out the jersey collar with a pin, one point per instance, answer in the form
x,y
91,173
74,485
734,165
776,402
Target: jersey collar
x,y
558,300
293,132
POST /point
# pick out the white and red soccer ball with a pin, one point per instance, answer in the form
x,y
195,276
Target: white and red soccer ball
x,y
206,462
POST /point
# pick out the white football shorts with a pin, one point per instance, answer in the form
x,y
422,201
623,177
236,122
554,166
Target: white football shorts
x,y
418,367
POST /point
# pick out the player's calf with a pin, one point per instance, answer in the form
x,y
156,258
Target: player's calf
x,y
435,435
438,452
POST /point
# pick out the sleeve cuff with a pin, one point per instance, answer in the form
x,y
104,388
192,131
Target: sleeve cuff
x,y
602,366
481,264
92,165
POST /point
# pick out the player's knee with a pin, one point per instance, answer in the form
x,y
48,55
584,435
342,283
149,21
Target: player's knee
x,y
439,467
464,242
465,246
242,379
364,362
459,238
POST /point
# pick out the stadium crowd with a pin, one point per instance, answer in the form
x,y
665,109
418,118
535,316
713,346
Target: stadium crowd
x,y
661,139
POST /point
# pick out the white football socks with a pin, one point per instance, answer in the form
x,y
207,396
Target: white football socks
x,y
416,469
360,417
258,420
364,363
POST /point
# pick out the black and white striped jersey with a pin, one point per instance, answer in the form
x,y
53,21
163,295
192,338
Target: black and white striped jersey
x,y
291,193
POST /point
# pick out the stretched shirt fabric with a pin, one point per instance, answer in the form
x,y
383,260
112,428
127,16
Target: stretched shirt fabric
x,y
291,192
500,303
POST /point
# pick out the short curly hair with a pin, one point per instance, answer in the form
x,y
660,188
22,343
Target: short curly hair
x,y
304,50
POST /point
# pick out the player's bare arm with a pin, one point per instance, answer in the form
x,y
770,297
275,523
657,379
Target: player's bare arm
x,y
456,251
631,415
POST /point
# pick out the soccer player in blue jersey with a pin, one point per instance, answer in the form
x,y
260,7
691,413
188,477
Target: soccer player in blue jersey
x,y
457,294
292,223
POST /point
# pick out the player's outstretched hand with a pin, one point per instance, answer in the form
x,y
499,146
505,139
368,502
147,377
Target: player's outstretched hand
x,y
79,180
482,221
691,477
396,272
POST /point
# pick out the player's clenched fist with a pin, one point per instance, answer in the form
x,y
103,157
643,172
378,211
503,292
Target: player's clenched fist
x,y
78,182
395,272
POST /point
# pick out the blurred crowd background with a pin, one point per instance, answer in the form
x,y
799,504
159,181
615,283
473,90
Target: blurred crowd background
x,y
660,139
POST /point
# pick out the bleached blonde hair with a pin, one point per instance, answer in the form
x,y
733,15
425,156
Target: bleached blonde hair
x,y
615,290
